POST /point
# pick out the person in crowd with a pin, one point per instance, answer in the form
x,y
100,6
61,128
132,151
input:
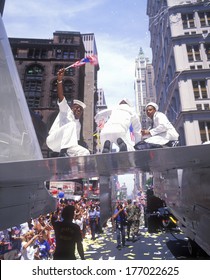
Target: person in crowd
x,y
15,238
65,131
78,219
28,248
41,225
119,217
117,128
161,132
43,246
93,221
129,211
136,220
98,225
67,236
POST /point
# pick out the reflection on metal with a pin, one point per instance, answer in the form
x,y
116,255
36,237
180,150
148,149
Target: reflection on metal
x,y
26,197
17,136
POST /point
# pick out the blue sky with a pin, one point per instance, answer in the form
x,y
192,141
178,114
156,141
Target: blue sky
x,y
120,28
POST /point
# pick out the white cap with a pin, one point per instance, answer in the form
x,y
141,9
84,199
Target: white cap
x,y
126,100
80,103
153,105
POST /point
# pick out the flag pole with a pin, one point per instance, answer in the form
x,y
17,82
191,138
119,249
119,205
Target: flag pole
x,y
67,67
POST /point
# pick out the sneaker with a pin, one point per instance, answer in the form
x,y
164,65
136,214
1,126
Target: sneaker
x,y
63,153
122,145
118,247
107,147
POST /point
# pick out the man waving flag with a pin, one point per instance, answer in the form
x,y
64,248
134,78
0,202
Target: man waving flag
x,y
92,59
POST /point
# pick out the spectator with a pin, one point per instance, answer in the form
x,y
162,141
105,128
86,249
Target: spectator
x,y
28,249
136,220
43,245
129,211
93,221
119,217
67,235
98,225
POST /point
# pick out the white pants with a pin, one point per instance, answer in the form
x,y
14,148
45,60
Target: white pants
x,y
112,133
66,138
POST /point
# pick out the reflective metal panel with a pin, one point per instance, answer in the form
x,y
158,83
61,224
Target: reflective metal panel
x,y
18,140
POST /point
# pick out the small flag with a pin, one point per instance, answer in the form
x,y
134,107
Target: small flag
x,y
92,59
132,133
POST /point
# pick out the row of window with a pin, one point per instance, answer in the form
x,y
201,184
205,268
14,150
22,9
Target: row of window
x,y
194,52
40,53
33,85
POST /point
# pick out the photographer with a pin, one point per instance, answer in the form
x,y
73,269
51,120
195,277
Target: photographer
x,y
119,217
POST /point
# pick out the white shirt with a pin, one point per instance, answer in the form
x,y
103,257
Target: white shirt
x,y
162,131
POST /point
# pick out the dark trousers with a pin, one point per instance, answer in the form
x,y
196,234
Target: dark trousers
x,y
93,228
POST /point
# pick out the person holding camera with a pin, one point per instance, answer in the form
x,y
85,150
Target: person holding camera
x,y
119,217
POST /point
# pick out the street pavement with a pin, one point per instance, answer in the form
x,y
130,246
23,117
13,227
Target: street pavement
x,y
160,245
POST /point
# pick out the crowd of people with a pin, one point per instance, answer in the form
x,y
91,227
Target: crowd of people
x,y
38,239
59,235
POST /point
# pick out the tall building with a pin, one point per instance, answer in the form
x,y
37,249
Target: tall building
x,y
143,86
180,45
90,89
38,61
101,105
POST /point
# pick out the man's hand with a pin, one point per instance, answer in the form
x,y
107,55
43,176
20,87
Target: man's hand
x,y
145,132
60,74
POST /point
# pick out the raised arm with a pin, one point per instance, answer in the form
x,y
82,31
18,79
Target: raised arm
x,y
60,75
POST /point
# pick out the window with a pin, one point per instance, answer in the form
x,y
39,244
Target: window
x,y
188,20
199,107
33,85
200,89
206,107
207,50
193,52
204,18
204,130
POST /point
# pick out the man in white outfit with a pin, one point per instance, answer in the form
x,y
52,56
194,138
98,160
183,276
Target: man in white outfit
x,y
116,129
161,131
65,132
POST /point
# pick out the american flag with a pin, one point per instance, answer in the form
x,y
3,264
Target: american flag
x,y
92,59
132,133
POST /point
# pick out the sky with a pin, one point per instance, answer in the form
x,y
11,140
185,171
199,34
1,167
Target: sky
x,y
120,28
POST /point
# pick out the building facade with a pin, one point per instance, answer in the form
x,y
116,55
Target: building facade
x,y
143,86
90,89
180,45
101,105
